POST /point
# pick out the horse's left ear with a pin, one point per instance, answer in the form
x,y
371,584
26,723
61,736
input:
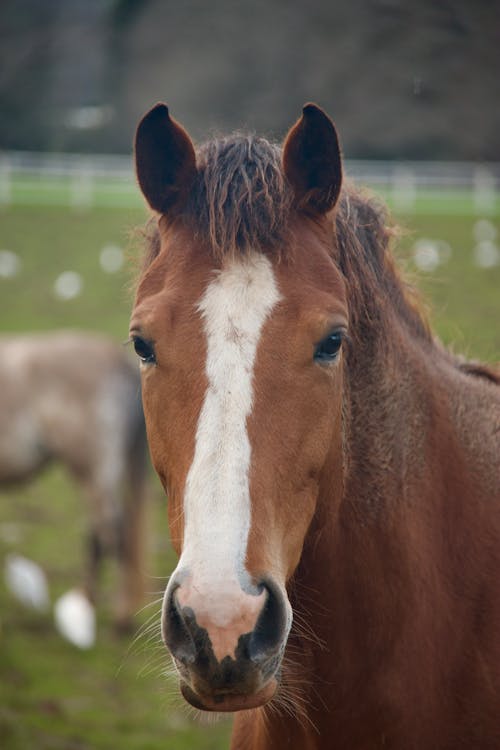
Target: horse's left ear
x,y
312,161
165,160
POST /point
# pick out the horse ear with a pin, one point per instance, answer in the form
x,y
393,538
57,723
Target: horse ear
x,y
165,160
312,161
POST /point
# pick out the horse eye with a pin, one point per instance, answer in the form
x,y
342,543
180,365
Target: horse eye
x,y
144,350
328,349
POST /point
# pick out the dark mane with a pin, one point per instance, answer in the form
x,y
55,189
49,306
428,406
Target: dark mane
x,y
365,235
240,200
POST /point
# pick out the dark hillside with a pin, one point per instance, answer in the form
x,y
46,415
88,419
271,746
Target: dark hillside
x,y
402,79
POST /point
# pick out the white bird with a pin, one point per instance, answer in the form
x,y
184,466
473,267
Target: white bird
x,y
27,581
75,618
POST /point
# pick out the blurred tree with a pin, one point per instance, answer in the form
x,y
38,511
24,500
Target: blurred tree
x,y
25,61
401,79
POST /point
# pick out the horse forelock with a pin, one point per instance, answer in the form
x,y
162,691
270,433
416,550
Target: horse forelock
x,y
240,200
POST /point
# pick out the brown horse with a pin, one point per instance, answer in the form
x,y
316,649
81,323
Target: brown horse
x,y
332,471
74,398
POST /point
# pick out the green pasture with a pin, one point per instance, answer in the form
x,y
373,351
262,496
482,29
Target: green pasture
x,y
83,189
117,695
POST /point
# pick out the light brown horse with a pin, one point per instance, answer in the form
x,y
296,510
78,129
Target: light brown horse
x,y
332,471
74,398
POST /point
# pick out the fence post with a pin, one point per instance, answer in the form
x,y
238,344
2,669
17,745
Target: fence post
x,y
5,181
404,188
484,190
82,186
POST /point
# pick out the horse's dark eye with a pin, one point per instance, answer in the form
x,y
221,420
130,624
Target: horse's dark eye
x,y
327,350
144,350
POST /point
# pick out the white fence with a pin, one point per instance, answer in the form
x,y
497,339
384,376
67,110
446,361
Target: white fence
x,y
82,181
403,181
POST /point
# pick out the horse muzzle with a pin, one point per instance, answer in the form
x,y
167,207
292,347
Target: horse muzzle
x,y
228,653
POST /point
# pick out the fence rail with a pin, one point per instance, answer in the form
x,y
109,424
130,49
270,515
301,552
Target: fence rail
x,y
82,181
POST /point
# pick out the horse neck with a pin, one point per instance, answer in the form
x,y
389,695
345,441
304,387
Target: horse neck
x,y
359,557
375,544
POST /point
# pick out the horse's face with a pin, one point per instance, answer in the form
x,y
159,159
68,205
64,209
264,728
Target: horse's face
x,y
242,389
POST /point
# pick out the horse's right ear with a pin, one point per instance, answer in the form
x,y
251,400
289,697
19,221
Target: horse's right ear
x,y
165,160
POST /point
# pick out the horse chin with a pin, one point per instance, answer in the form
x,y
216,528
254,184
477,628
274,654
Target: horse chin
x,y
229,702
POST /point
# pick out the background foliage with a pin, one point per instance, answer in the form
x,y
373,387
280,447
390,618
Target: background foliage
x,y
401,79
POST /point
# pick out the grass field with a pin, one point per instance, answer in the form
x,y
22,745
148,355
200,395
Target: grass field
x,y
52,696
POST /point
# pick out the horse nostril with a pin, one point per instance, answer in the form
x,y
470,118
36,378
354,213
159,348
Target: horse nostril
x,y
176,631
253,636
272,626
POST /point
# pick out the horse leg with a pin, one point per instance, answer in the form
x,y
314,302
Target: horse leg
x,y
131,550
94,556
103,538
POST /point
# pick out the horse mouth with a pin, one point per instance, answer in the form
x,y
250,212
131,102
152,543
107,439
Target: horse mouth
x,y
229,701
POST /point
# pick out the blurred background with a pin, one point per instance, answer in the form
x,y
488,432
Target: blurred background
x,y
413,89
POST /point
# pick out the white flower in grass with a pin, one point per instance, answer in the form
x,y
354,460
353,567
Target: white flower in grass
x,y
75,618
10,264
27,582
426,254
487,254
68,285
111,258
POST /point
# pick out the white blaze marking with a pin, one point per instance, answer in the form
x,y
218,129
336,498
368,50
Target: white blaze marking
x,y
234,308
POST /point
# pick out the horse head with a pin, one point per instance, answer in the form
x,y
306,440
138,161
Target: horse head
x,y
239,322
